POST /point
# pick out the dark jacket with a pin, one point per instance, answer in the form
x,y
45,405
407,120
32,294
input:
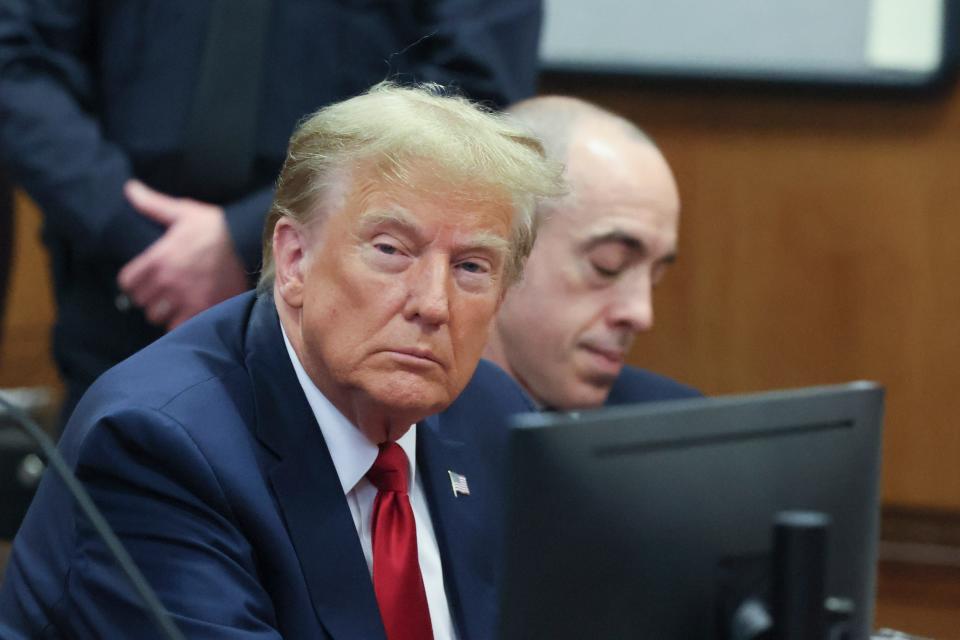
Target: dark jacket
x,y
638,385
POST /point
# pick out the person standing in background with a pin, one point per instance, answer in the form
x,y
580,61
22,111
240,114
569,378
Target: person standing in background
x,y
150,134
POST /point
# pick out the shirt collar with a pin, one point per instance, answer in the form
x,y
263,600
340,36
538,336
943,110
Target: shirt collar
x,y
352,453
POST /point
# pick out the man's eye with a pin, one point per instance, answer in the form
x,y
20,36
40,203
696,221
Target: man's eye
x,y
478,267
609,260
388,249
605,271
472,267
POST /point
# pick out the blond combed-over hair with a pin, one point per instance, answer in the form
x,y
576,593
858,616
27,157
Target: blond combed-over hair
x,y
394,128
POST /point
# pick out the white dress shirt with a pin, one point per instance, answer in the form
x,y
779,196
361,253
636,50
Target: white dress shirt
x,y
353,455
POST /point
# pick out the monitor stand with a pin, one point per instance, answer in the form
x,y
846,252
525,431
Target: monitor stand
x,y
783,596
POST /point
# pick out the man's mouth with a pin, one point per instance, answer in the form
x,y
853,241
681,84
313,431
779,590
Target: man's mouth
x,y
608,360
416,355
615,356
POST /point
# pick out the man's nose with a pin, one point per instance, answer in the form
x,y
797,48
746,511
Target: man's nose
x,y
428,298
633,307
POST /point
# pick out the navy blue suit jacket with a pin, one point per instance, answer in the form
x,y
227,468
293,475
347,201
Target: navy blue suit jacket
x,y
205,457
637,385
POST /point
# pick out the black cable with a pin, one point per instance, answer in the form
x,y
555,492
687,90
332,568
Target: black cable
x,y
150,600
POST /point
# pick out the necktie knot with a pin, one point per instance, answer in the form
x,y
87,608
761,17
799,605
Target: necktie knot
x,y
391,470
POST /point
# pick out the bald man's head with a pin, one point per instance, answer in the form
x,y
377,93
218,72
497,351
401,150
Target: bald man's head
x,y
554,119
565,330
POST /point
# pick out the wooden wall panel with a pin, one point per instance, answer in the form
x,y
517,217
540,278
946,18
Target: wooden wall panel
x,y
820,242
25,351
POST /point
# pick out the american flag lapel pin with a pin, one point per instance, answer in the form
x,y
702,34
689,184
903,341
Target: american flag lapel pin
x,y
459,484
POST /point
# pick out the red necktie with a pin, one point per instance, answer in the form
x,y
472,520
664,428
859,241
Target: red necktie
x,y
396,568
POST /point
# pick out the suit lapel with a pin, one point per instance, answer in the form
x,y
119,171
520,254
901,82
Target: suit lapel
x,y
307,488
463,526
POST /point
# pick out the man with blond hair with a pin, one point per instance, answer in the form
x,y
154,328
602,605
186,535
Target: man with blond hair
x,y
565,331
314,461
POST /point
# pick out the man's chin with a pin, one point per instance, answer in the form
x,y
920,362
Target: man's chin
x,y
574,397
416,399
590,392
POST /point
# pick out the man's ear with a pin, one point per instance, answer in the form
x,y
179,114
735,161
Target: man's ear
x,y
289,258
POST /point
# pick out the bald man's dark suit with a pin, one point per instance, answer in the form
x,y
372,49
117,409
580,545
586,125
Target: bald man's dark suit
x,y
638,385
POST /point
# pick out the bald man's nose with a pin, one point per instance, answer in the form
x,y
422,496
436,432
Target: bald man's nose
x,y
634,305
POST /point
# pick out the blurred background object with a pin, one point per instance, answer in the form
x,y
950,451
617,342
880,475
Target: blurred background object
x,y
20,463
901,44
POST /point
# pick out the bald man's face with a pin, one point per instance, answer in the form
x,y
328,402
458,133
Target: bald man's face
x,y
563,332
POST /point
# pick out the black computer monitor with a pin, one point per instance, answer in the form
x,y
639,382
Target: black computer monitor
x,y
655,521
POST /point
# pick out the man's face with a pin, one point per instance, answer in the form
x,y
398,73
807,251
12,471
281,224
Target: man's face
x,y
586,291
396,293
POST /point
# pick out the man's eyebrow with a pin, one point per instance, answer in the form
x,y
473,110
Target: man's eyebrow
x,y
395,216
488,241
630,241
400,217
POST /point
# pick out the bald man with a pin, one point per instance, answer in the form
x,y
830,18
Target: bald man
x,y
564,331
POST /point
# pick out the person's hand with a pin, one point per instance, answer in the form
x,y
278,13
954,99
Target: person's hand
x,y
190,268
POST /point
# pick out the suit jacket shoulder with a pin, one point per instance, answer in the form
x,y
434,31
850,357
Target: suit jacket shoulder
x,y
162,444
638,385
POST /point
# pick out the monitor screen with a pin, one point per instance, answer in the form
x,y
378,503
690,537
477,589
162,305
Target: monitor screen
x,y
644,521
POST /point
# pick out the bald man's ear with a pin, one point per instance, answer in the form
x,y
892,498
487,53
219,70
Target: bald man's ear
x,y
289,257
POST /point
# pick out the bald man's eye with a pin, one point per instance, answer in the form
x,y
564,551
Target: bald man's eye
x,y
608,261
604,271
